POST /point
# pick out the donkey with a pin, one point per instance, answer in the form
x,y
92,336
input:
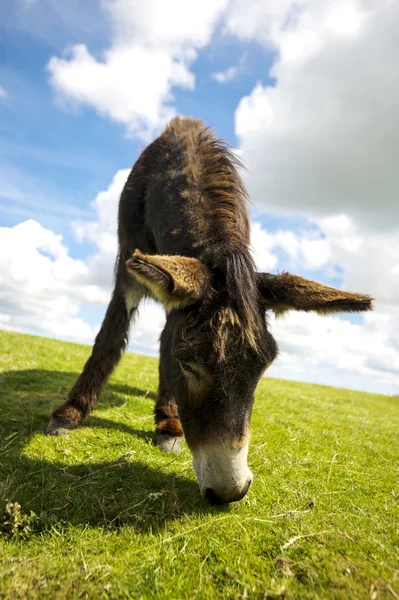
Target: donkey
x,y
184,240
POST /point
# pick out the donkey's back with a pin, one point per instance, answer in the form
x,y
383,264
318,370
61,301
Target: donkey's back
x,y
184,196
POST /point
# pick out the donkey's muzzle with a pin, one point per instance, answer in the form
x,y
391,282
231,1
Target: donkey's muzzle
x,y
214,497
222,471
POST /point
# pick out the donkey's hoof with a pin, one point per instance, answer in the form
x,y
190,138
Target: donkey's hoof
x,y
168,443
57,427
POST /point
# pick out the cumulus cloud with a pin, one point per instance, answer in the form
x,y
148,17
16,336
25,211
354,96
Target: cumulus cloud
x,y
42,288
323,348
231,72
177,25
153,45
323,139
328,349
142,105
336,352
224,76
369,260
321,142
262,21
363,261
36,283
262,244
101,233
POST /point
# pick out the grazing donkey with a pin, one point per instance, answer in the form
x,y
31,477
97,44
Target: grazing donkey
x,y
184,240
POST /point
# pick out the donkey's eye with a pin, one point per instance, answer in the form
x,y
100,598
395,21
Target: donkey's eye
x,y
198,379
188,369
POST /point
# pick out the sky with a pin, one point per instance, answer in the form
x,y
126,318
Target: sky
x,y
306,90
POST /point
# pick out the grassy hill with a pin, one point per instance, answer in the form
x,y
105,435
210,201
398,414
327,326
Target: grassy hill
x,y
104,514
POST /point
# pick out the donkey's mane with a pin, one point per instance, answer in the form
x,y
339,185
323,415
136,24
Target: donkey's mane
x,y
213,169
237,320
220,180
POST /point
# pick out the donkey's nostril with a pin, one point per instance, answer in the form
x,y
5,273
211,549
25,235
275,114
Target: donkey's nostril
x,y
213,498
247,487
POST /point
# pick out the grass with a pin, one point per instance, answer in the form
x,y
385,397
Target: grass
x,y
104,514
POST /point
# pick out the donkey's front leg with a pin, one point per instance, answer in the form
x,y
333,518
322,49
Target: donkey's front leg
x,y
168,428
107,350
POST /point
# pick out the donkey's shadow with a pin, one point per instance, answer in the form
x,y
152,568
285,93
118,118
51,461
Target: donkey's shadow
x,y
104,493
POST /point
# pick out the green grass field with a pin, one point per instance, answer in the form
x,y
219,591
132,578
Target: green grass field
x,y
104,514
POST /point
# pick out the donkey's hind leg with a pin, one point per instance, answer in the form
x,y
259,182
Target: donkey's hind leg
x,y
107,350
169,431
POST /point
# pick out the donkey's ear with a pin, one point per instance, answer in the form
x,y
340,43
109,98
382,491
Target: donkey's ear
x,y
175,281
291,292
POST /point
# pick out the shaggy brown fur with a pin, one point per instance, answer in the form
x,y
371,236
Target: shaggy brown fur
x,y
174,280
184,238
217,202
291,292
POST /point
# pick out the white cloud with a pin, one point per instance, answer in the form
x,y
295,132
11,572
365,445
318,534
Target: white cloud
x,y
306,249
324,139
36,283
369,259
322,143
42,288
262,21
3,94
153,45
364,261
262,244
227,75
131,86
101,233
327,349
231,72
177,24
147,328
318,348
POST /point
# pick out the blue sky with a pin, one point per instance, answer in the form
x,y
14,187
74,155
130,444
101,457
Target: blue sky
x,y
287,104
65,155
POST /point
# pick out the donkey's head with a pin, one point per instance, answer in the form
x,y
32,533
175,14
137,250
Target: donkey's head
x,y
215,347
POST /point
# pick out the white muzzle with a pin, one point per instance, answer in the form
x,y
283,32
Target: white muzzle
x,y
222,472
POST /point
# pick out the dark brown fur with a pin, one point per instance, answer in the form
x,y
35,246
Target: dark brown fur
x,y
183,235
211,223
